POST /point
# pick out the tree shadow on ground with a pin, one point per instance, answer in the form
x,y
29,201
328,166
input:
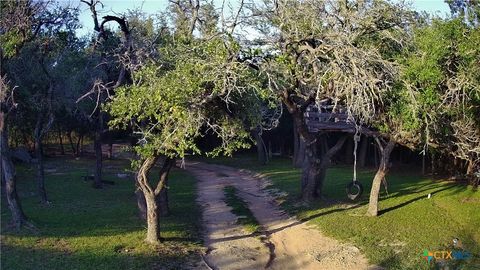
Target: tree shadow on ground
x,y
77,210
52,258
292,224
383,211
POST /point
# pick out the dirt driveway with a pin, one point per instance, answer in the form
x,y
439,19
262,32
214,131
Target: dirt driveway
x,y
284,243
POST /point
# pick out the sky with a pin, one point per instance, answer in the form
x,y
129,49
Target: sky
x,y
438,7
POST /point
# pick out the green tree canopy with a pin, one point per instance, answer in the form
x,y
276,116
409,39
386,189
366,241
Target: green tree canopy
x,y
442,88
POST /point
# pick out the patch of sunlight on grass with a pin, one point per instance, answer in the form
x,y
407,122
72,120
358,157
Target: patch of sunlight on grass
x,y
86,228
409,222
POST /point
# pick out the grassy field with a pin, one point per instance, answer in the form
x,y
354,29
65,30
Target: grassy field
x,y
85,228
409,222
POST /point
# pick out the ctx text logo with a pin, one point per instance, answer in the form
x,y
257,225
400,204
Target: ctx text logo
x,y
446,255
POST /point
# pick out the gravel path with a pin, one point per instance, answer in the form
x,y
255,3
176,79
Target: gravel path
x,y
285,243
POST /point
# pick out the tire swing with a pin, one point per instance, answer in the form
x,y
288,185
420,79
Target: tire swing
x,y
354,189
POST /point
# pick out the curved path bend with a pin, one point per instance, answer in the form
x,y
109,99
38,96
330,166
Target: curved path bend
x,y
284,243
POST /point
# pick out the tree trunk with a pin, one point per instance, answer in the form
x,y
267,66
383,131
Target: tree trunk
x,y
362,155
298,149
296,144
470,168
261,148
307,155
147,200
71,143
474,179
7,170
80,149
77,149
314,169
141,204
379,176
162,188
152,196
42,193
324,163
309,174
163,202
301,156
153,226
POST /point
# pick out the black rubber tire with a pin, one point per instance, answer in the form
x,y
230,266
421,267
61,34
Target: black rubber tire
x,y
352,187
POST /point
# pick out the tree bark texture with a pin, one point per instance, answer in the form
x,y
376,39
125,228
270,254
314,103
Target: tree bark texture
x,y
261,148
470,168
309,174
298,149
7,170
156,199
385,152
153,224
74,152
324,163
315,167
163,203
141,204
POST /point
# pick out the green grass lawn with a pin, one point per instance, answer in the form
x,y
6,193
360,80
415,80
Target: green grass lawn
x,y
240,209
409,222
85,228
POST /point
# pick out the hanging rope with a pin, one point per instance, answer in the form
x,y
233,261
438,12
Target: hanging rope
x,y
356,139
355,185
